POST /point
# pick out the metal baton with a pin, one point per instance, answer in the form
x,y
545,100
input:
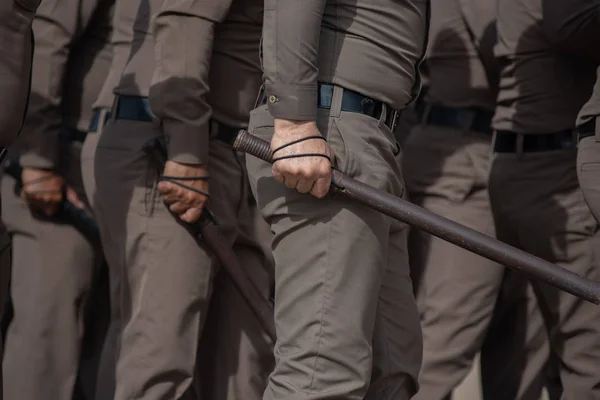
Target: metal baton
x,y
443,228
207,231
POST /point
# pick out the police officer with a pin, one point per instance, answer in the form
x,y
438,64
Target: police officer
x,y
535,198
336,75
166,279
447,161
53,264
585,43
122,36
16,18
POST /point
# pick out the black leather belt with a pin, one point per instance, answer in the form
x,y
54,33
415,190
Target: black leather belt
x,y
137,108
468,119
506,142
586,130
96,120
351,102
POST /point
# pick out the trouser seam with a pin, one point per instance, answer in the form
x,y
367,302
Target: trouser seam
x,y
326,293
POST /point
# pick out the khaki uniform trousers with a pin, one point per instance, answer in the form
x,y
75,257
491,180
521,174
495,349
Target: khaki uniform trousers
x,y
166,279
588,172
456,289
5,247
53,270
538,207
106,364
347,324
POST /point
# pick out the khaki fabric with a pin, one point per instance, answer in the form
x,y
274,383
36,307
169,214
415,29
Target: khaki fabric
x,y
16,18
456,289
588,169
63,91
341,273
166,278
319,40
549,218
53,267
131,39
5,258
542,88
196,81
515,353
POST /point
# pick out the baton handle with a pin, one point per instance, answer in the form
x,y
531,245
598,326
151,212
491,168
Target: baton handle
x,y
443,228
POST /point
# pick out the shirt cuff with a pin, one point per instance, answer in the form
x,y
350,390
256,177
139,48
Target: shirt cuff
x,y
187,144
296,103
43,157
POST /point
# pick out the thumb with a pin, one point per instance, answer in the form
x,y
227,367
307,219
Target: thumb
x,y
74,198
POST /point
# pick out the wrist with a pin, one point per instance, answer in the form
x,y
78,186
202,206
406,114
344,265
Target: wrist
x,y
293,128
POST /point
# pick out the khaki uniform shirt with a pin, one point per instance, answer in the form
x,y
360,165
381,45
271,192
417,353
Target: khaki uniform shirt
x,y
581,24
16,18
124,18
372,47
207,66
71,59
542,85
462,70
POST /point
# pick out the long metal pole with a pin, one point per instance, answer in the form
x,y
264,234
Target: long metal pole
x,y
443,228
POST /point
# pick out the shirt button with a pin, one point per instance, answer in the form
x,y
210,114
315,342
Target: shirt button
x,y
273,99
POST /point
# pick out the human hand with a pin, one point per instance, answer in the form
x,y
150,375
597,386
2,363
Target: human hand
x,y
310,173
43,191
186,201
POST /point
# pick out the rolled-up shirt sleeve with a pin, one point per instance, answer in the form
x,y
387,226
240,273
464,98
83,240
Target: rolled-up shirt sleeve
x,y
573,26
184,32
290,49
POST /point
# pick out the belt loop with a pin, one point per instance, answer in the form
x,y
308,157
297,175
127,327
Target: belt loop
x,y
597,127
471,114
519,145
115,108
426,111
101,118
259,97
383,116
213,129
336,102
493,144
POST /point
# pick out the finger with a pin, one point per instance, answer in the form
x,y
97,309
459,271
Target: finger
x,y
290,181
321,187
178,207
165,188
51,197
277,175
192,215
305,185
49,209
73,198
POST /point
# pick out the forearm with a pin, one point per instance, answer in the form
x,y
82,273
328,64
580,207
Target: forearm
x,y
56,28
15,67
178,94
291,33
